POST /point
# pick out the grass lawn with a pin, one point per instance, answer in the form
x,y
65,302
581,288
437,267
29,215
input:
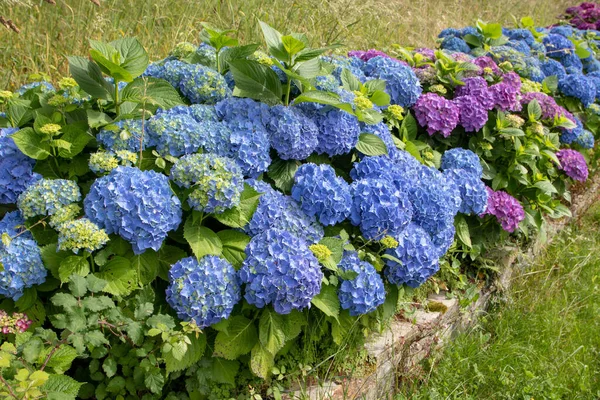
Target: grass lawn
x,y
49,33
539,342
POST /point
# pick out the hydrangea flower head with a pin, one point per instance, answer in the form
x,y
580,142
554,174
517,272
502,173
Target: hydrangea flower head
x,y
321,193
401,82
569,136
464,159
573,164
201,84
101,162
81,234
13,224
473,116
293,135
507,210
579,87
46,196
586,139
436,114
506,96
124,135
175,134
235,108
216,182
399,174
137,205
338,132
250,146
418,255
16,169
477,87
453,43
472,191
557,46
280,269
23,267
203,291
379,208
365,292
552,67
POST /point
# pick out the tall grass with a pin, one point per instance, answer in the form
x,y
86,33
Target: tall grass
x,y
49,33
542,342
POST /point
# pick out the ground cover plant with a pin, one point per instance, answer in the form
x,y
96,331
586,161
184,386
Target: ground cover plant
x,y
229,217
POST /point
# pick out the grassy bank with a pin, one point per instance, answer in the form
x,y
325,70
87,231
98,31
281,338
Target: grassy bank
x,y
540,342
49,33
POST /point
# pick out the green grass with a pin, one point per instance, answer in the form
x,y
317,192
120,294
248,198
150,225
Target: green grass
x,y
49,33
541,341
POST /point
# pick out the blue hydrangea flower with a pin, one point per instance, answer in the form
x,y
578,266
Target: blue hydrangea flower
x,y
572,64
453,43
236,108
595,79
443,240
472,191
557,46
382,131
585,139
327,83
568,136
401,82
207,54
353,64
521,46
203,291
46,196
250,146
579,87
458,158
293,135
279,269
449,32
521,34
124,135
200,112
552,67
45,87
16,169
275,210
137,205
217,182
321,193
14,224
338,132
365,292
379,208
22,267
563,30
435,201
418,255
401,175
201,84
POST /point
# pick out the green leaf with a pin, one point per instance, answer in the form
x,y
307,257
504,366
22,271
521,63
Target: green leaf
x,y
409,127
109,366
309,54
110,68
61,359
120,278
534,110
512,132
201,239
282,173
61,387
462,230
292,45
256,81
270,331
546,187
31,144
224,371
146,265
77,285
95,284
235,53
73,265
380,98
336,246
327,301
134,58
18,114
274,42
234,244
167,256
292,324
154,380
473,40
97,119
27,300
154,91
194,352
371,145
240,215
330,99
76,137
32,349
89,78
349,81
240,338
550,84
261,361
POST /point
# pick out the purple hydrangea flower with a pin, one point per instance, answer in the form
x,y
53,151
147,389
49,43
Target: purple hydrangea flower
x,y
507,210
473,116
477,87
436,113
506,97
573,164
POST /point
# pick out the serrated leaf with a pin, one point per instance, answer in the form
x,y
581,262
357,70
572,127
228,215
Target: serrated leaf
x,y
534,110
349,81
120,278
146,265
27,300
31,144
201,239
327,301
61,359
77,285
282,173
194,352
546,187
239,216
73,265
32,349
77,137
256,81
109,366
154,91
261,361
240,338
224,371
134,58
234,244
270,331
274,42
371,145
89,78
167,256
154,380
63,385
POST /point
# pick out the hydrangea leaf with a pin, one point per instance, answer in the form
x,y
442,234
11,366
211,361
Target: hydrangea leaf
x,y
270,331
147,265
73,265
462,230
371,145
282,172
240,338
256,81
234,243
167,256
193,353
261,361
120,277
31,144
77,137
134,58
327,301
239,216
154,91
224,371
89,78
201,239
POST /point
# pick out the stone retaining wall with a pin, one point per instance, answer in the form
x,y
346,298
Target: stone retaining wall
x,y
404,344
